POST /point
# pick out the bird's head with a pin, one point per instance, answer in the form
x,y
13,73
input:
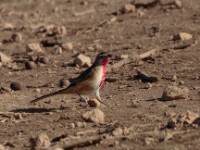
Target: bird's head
x,y
103,58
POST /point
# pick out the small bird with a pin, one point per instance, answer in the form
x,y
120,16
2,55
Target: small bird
x,y
88,82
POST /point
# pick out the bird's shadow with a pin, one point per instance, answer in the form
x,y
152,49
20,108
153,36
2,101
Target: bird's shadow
x,y
36,110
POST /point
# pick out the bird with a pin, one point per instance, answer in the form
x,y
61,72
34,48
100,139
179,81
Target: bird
x,y
88,82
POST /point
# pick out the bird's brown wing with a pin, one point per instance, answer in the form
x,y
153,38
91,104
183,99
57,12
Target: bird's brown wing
x,y
82,77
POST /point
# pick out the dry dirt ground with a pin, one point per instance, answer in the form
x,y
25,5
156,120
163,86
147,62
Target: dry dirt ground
x,y
93,26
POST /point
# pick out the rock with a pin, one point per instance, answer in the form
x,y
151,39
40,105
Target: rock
x,y
67,46
178,3
94,103
34,48
148,140
82,61
58,50
126,131
183,36
72,125
42,59
127,8
171,3
40,142
4,58
95,115
18,116
124,56
117,132
59,30
30,65
148,85
183,119
16,37
145,3
81,124
174,92
2,147
8,26
190,117
64,83
16,86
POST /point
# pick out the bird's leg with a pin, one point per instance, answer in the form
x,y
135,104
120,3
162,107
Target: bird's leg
x,y
83,98
98,95
99,98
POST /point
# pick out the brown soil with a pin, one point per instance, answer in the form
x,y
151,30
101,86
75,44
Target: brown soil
x,y
131,104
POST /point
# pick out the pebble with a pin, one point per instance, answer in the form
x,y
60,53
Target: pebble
x,y
64,83
175,92
42,59
59,30
67,46
8,26
34,48
127,8
16,86
117,132
183,36
82,61
4,58
2,147
94,103
16,37
42,141
30,65
95,116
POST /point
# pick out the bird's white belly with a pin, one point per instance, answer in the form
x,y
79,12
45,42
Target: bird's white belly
x,y
90,85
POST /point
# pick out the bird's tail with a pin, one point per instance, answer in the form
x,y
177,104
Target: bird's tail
x,y
48,95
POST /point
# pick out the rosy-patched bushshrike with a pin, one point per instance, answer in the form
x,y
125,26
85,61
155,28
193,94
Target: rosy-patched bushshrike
x,y
88,82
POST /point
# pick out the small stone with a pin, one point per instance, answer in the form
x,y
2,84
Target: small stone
x,y
183,36
34,48
168,136
94,103
145,3
38,90
127,8
178,3
174,77
59,30
148,85
82,61
64,83
72,125
2,147
174,92
190,117
58,50
148,140
4,58
126,131
95,116
42,59
16,86
40,142
124,56
117,132
67,46
30,65
8,26
18,116
16,37
81,124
